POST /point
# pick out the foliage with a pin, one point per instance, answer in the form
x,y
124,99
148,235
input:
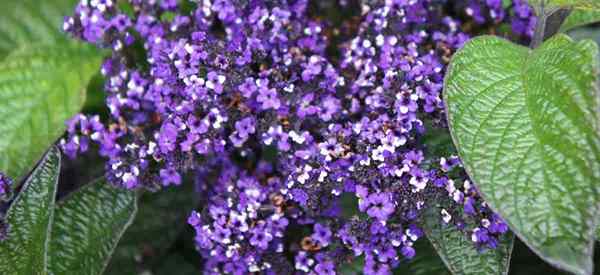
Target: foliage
x,y
77,234
43,76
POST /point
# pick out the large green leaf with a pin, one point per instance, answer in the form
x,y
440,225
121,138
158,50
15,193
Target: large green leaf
x,y
29,220
580,18
26,22
87,227
160,220
40,88
525,125
43,76
459,253
577,4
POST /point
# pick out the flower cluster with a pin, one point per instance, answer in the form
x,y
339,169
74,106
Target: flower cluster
x,y
523,21
483,11
242,227
518,13
281,133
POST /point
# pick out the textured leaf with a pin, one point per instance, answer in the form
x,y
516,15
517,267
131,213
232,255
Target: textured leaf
x,y
40,88
29,220
24,22
459,253
160,219
525,125
580,18
577,4
87,227
48,88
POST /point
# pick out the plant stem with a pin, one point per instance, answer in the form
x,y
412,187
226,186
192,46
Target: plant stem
x,y
540,28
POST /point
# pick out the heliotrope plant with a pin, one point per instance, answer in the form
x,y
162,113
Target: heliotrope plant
x,y
311,141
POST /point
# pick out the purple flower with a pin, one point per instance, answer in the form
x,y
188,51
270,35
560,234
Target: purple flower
x,y
167,138
380,206
248,88
325,268
268,98
169,176
321,235
260,238
245,127
194,219
408,252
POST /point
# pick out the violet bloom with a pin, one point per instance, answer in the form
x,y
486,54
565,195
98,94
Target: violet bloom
x,y
480,235
268,98
524,20
325,268
194,219
303,262
408,252
321,235
469,207
245,127
248,88
167,137
380,206
260,237
170,176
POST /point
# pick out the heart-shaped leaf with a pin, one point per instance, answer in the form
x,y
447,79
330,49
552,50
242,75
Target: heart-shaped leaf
x,y
87,227
40,88
29,220
459,253
525,125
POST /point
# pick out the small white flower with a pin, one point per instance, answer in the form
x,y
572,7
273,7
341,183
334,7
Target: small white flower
x,y
446,216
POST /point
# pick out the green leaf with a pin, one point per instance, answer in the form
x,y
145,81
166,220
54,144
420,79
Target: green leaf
x,y
42,79
459,253
40,88
525,125
87,227
160,219
26,22
577,4
29,220
580,18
